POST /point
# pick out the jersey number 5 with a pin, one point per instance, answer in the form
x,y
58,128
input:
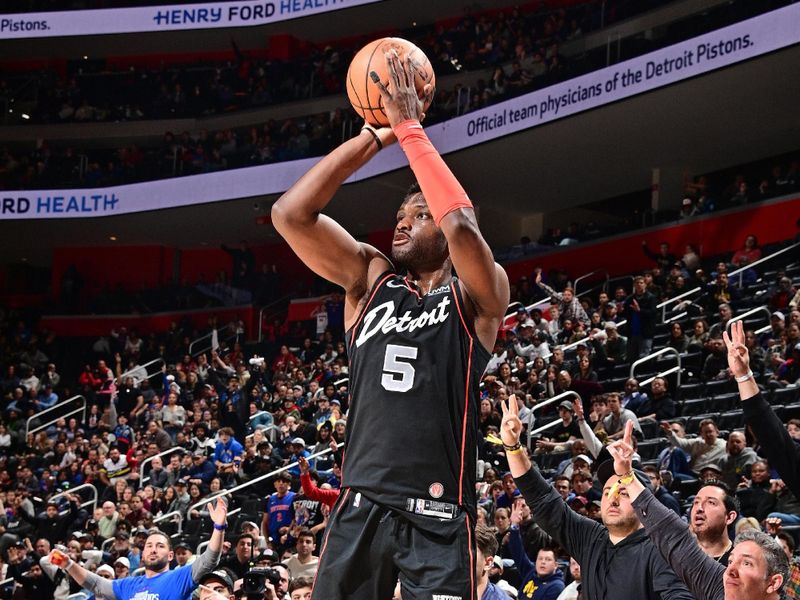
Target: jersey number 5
x,y
398,376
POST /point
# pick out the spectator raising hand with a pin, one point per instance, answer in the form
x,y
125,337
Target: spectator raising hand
x,y
739,359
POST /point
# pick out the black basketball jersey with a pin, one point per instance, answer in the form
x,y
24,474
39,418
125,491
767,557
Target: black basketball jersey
x,y
412,428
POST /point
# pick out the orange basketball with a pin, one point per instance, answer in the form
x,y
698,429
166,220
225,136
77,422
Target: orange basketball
x,y
365,96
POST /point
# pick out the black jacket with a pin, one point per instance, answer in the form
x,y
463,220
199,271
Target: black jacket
x,y
646,314
672,538
56,529
781,451
633,568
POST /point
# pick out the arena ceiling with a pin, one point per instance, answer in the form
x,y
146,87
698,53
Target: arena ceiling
x,y
733,116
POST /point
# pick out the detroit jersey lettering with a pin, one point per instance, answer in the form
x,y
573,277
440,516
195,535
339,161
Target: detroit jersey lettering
x,y
414,373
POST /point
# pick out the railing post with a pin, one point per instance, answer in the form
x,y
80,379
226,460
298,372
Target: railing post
x,y
51,409
129,372
83,486
149,459
232,490
741,270
752,311
656,354
559,398
663,305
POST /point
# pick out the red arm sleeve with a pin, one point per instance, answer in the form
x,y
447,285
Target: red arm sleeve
x,y
441,189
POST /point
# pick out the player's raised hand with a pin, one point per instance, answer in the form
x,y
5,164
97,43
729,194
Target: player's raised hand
x,y
400,99
738,356
511,426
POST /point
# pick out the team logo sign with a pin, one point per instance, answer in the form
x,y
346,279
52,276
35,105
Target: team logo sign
x,y
436,490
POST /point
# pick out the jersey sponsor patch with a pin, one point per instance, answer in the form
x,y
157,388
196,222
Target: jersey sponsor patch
x,y
439,290
436,490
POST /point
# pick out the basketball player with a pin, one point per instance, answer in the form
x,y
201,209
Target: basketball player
x,y
418,339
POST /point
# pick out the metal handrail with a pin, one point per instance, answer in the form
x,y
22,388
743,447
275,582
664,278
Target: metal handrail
x,y
559,398
540,429
64,416
129,372
72,491
676,317
752,311
220,336
269,431
528,308
764,329
259,413
599,286
149,459
256,480
174,513
587,275
669,371
52,408
106,543
740,271
566,347
619,278
656,354
265,307
513,305
663,305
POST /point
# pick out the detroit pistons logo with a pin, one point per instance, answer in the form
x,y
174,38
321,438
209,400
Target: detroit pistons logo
x,y
436,490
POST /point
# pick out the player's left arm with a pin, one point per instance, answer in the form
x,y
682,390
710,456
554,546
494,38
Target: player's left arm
x,y
485,282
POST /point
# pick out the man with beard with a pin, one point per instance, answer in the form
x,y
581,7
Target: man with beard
x,y
158,582
757,567
713,510
618,560
486,548
418,339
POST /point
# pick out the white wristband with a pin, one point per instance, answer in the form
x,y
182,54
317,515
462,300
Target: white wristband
x,y
744,378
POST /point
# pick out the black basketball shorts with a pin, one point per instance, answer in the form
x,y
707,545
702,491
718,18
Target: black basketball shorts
x,y
368,547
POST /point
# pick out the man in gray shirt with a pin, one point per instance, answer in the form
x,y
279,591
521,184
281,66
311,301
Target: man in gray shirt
x,y
738,461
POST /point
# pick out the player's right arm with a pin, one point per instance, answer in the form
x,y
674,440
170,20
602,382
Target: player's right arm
x,y
319,241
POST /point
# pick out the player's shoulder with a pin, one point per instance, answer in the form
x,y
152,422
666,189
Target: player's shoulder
x,y
377,265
